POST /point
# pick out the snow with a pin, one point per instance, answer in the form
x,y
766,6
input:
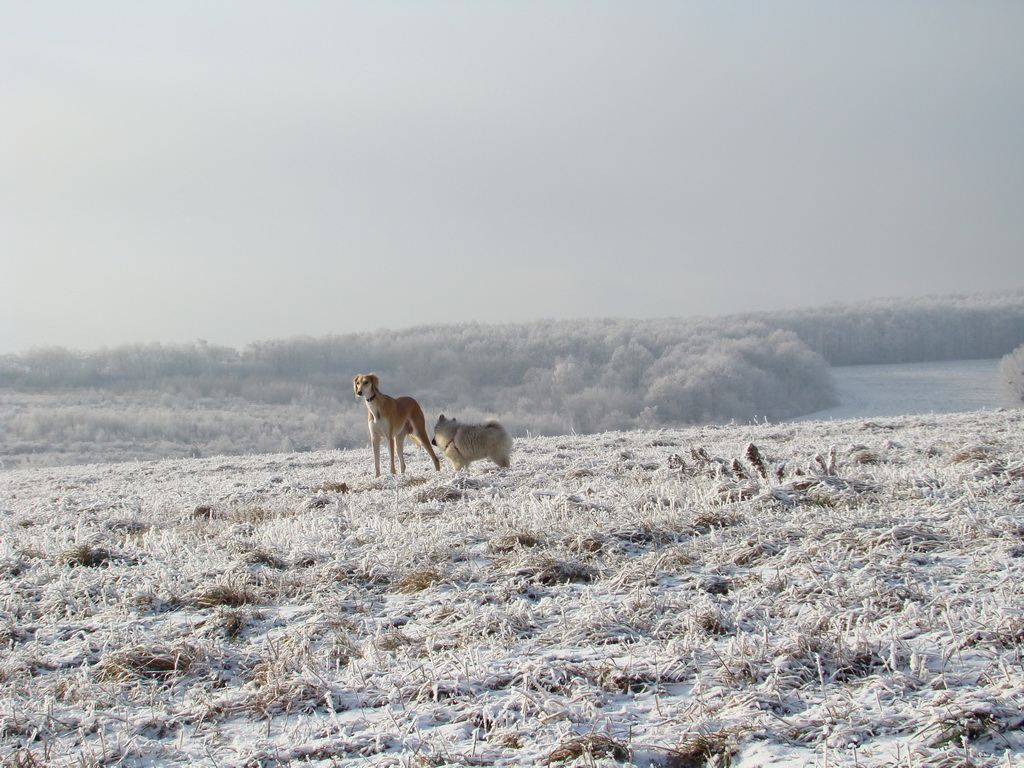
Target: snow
x,y
950,386
849,594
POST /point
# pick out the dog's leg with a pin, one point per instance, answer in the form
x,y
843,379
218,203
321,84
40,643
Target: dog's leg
x,y
392,440
400,449
375,442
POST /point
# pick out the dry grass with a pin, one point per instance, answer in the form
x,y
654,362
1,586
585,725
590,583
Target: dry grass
x,y
704,750
549,570
591,747
419,580
232,594
86,555
973,453
507,542
153,662
264,558
228,622
334,487
24,758
443,494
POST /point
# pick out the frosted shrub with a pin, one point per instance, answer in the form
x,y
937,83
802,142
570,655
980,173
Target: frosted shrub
x,y
1011,372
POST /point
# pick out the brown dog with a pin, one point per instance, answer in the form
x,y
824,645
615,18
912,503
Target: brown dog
x,y
393,418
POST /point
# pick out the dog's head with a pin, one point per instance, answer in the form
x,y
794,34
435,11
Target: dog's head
x,y
366,385
445,428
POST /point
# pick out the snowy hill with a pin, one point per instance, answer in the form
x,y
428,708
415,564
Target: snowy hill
x,y
841,593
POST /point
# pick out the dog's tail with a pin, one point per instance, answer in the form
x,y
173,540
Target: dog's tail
x,y
503,456
430,449
420,431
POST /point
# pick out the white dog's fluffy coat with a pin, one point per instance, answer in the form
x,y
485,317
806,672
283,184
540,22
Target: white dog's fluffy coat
x,y
462,444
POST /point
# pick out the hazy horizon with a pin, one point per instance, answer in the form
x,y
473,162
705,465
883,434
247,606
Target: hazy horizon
x,y
238,172
866,305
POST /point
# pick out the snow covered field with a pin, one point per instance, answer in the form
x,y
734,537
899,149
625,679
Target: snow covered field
x,y
949,386
828,593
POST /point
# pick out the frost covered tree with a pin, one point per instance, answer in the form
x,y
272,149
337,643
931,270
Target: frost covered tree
x,y
1011,372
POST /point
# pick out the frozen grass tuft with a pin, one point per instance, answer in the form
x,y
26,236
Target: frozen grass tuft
x,y
86,555
419,580
973,453
589,747
232,594
549,570
24,758
508,542
705,750
156,662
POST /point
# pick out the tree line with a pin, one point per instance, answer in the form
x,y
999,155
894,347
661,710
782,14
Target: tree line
x,y
888,331
555,376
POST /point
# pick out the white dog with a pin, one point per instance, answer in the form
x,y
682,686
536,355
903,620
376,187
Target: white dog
x,y
462,444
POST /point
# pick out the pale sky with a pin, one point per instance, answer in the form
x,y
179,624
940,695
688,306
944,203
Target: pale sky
x,y
238,170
